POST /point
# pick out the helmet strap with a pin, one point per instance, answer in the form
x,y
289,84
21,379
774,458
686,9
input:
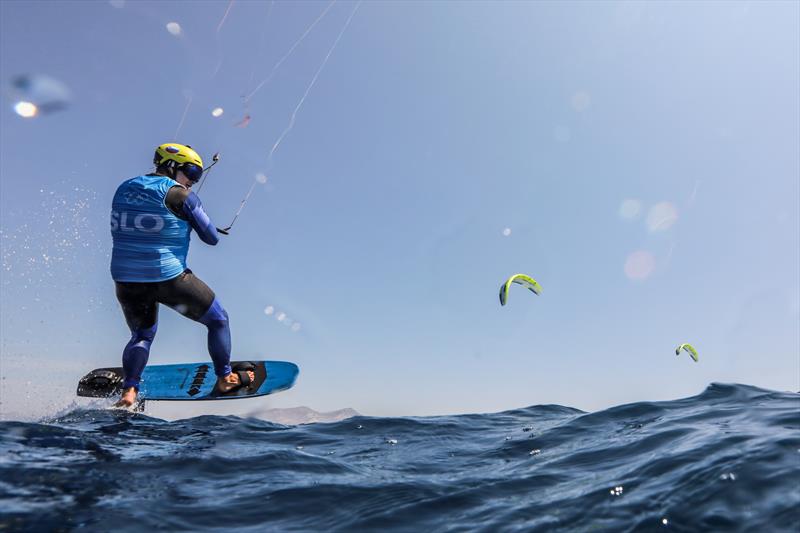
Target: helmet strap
x,y
171,169
168,169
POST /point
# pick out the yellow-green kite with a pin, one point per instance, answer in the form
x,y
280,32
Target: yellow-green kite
x,y
520,279
688,348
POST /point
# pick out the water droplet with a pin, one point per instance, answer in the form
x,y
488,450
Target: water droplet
x,y
174,28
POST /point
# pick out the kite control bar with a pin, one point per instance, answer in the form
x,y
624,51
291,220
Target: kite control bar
x,y
215,160
206,172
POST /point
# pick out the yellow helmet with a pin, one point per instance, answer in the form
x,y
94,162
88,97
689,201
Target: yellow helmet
x,y
179,157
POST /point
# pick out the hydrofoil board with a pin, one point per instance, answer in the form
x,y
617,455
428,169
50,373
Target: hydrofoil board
x,y
190,381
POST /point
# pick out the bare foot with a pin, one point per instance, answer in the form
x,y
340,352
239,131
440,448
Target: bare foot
x,y
127,399
232,380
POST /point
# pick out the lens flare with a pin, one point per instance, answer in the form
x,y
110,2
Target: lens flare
x,y
661,217
640,265
26,109
630,209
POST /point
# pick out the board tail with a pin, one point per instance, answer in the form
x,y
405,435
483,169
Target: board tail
x,y
101,383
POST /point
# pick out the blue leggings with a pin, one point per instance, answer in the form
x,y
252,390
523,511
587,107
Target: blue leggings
x,y
189,296
137,351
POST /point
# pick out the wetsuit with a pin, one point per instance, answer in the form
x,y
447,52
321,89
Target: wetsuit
x,y
152,218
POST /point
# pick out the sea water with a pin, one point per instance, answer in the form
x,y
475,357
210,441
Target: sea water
x,y
725,460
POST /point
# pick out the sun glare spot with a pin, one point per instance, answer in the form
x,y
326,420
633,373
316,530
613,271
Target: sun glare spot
x,y
26,109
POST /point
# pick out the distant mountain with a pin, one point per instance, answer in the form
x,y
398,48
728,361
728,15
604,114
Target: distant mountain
x,y
293,416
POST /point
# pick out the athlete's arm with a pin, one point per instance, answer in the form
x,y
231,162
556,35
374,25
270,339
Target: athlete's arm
x,y
187,205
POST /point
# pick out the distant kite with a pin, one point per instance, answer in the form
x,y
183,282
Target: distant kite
x,y
688,348
42,94
244,122
520,279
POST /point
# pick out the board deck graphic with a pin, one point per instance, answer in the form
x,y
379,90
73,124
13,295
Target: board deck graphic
x,y
189,381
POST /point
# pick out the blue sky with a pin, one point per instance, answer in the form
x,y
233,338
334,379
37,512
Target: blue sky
x,y
640,160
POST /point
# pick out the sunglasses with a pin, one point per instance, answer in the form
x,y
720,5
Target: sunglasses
x,y
192,171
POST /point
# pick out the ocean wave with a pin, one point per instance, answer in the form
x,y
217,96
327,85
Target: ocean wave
x,y
726,459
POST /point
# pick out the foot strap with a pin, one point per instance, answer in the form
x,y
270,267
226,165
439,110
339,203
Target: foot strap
x,y
241,370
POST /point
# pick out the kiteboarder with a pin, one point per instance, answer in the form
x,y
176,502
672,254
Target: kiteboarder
x,y
152,217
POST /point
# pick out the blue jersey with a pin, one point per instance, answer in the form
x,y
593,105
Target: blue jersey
x,y
150,242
